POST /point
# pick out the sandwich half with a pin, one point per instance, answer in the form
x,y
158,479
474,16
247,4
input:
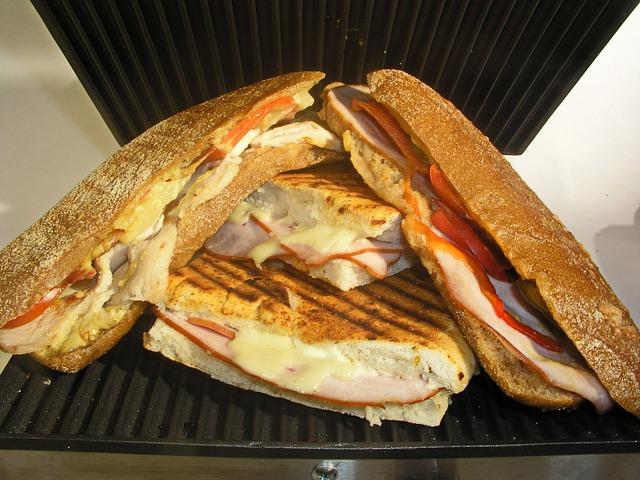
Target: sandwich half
x,y
531,303
74,282
322,220
387,350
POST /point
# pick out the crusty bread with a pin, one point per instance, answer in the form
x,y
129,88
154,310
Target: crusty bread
x,y
534,240
396,321
259,165
335,195
164,339
77,359
396,326
43,256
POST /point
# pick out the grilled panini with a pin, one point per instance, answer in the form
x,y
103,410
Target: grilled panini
x,y
387,350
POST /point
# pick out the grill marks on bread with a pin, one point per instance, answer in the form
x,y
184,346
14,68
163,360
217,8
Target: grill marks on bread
x,y
402,308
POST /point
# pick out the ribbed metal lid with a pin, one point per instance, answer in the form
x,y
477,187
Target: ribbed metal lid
x,y
507,65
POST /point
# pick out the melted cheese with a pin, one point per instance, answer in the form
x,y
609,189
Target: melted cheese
x,y
291,364
142,215
88,328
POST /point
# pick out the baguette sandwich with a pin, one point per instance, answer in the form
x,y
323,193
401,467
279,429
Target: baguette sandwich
x,y
529,300
387,350
75,282
324,221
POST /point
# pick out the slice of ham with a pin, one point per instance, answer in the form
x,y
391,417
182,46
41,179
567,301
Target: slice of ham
x,y
557,368
340,99
362,390
237,240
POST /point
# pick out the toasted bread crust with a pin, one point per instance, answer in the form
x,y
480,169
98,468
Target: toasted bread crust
x,y
259,165
531,237
42,256
69,362
404,308
340,188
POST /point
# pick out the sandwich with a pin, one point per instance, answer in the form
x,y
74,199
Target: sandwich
x,y
528,298
324,221
75,282
387,350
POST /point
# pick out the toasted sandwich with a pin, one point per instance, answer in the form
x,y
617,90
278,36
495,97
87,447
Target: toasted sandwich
x,y
387,350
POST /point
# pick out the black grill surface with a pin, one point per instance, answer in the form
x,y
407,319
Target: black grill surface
x,y
133,400
506,64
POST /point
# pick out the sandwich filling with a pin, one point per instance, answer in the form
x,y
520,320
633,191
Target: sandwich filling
x,y
133,263
320,371
478,277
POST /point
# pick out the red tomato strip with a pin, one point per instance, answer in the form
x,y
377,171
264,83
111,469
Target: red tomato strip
x,y
35,311
41,305
213,326
450,224
438,243
254,117
466,237
445,192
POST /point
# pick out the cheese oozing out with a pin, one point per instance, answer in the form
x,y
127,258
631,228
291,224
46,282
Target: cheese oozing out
x,y
256,233
319,370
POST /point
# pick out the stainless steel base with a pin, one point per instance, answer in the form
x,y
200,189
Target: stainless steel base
x,y
94,466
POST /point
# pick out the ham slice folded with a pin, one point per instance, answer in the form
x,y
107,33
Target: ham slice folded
x,y
238,240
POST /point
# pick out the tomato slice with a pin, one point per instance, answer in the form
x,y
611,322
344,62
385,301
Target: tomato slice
x,y
466,237
213,326
41,305
445,192
253,118
36,310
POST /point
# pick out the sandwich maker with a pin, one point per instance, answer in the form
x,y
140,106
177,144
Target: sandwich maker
x,y
506,64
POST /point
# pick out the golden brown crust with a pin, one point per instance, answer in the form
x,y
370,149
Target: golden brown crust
x,y
532,238
74,360
514,376
259,165
401,308
42,256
